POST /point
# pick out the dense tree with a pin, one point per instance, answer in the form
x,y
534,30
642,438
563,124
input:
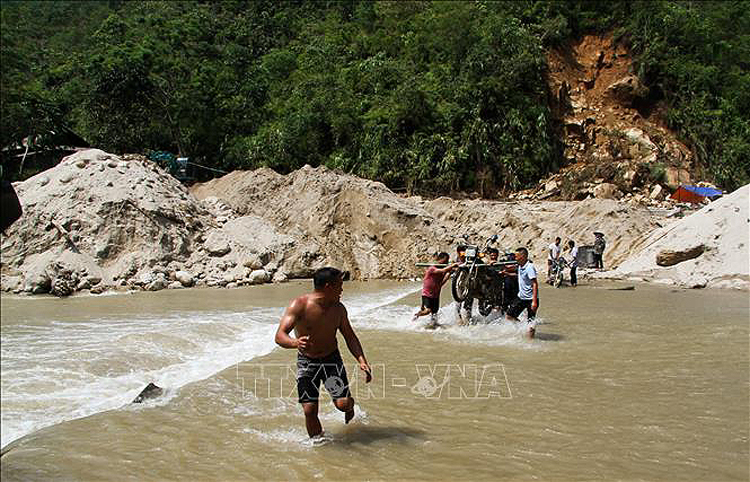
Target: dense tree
x,y
428,96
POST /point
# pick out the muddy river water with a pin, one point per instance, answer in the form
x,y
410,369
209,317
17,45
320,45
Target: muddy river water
x,y
643,384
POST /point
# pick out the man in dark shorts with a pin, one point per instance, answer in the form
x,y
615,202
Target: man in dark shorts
x,y
432,283
528,291
315,319
510,282
599,245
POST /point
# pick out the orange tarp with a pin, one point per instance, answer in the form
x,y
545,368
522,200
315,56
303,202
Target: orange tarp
x,y
685,196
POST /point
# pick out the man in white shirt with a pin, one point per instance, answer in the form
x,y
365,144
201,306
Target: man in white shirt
x,y
528,291
573,262
553,252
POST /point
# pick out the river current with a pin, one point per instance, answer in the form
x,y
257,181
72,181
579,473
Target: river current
x,y
650,383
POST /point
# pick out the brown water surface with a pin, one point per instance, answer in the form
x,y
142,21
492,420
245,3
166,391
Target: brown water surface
x,y
648,384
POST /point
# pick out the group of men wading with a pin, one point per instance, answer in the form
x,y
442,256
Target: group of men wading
x,y
316,318
519,284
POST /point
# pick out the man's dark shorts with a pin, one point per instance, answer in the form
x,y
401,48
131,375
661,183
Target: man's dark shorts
x,y
328,369
519,305
432,304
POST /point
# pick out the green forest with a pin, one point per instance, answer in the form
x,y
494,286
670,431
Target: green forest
x,y
426,96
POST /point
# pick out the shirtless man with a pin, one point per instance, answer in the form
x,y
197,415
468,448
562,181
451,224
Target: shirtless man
x,y
315,319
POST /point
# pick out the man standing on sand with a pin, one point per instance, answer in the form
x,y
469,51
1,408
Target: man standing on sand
x,y
553,252
315,319
528,291
599,245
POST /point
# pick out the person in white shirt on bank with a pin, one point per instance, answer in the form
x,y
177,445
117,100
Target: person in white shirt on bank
x,y
573,262
553,252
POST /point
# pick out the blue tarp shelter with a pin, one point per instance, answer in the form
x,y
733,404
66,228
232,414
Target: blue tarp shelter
x,y
695,194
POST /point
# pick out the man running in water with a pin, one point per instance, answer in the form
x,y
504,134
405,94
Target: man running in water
x,y
315,319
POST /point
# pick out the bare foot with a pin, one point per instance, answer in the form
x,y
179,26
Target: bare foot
x,y
348,416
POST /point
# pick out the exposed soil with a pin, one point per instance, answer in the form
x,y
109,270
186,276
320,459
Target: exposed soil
x,y
612,128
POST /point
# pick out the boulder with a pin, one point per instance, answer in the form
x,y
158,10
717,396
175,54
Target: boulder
x,y
253,262
637,136
627,89
145,278
37,282
606,191
151,391
657,192
159,283
185,278
668,257
63,285
216,244
259,276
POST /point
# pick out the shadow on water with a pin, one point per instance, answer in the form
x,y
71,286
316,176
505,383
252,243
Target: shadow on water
x,y
548,336
367,435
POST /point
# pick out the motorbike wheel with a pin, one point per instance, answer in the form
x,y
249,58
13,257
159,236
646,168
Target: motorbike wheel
x,y
460,285
485,306
559,279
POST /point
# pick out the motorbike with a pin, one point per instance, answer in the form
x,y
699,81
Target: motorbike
x,y
557,273
476,279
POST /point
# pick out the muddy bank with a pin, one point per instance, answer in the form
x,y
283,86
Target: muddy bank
x,y
98,221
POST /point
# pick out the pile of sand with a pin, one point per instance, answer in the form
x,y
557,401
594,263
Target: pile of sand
x,y
715,238
98,221
362,226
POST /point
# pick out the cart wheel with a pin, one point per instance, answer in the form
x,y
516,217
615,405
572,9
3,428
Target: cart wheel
x,y
460,285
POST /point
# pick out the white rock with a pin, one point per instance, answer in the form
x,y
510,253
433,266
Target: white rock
x,y
159,283
259,276
638,136
184,278
657,192
253,262
216,244
145,278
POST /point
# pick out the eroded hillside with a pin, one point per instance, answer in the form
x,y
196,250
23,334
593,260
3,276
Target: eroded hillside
x,y
616,144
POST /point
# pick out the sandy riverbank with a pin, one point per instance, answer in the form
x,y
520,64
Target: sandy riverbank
x,y
97,221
